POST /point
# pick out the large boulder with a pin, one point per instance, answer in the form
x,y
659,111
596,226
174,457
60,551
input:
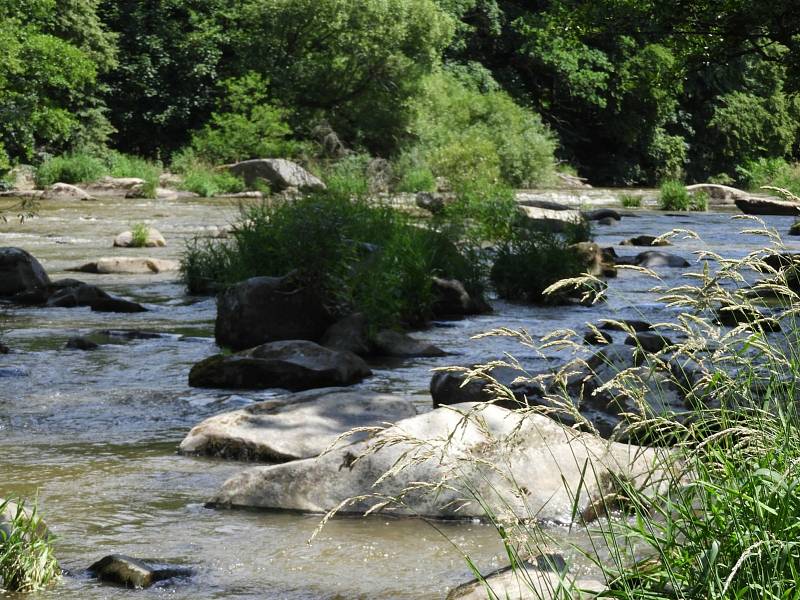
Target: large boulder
x,y
130,572
115,186
718,195
395,344
153,239
294,365
279,173
65,191
349,334
453,301
128,265
757,205
594,260
21,273
22,178
298,426
269,309
551,219
524,464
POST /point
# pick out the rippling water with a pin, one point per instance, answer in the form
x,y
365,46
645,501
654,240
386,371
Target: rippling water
x,y
94,434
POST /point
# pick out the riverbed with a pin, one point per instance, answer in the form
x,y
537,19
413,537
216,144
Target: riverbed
x,y
94,434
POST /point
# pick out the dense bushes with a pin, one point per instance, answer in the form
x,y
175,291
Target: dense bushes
x,y
775,172
465,135
363,257
673,195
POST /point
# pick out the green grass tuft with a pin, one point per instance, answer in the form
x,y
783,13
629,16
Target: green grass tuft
x,y
27,559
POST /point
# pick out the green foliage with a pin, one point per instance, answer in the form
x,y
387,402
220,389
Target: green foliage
x,y
532,261
204,179
466,135
774,172
413,174
27,558
77,167
630,201
140,233
123,165
246,126
354,63
362,257
673,195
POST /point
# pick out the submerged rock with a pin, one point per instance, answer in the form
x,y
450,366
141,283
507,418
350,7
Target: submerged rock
x,y
644,240
21,273
294,365
154,239
269,309
74,293
548,463
602,214
128,265
539,579
293,427
396,344
81,343
134,573
279,173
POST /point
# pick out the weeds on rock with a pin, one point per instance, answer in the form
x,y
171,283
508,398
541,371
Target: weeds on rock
x,y
27,558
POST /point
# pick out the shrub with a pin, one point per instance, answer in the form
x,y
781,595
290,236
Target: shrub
x,y
675,196
246,126
464,133
203,179
774,172
527,265
27,560
362,257
140,233
72,168
630,201
413,174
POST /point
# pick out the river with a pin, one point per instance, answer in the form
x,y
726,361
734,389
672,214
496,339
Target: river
x,y
94,434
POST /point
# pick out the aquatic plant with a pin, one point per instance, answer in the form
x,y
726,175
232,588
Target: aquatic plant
x,y
674,196
27,558
140,233
630,201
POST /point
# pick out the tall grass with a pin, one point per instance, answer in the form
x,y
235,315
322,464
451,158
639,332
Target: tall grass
x,y
674,196
27,559
71,168
723,520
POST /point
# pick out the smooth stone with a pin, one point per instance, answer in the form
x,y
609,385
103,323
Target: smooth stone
x,y
269,309
555,221
545,204
294,365
65,191
154,239
549,464
128,265
77,293
390,343
718,195
115,186
767,206
294,427
21,273
597,338
624,325
134,573
281,174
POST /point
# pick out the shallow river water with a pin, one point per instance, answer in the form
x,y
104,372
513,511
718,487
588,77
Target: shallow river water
x,y
94,434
